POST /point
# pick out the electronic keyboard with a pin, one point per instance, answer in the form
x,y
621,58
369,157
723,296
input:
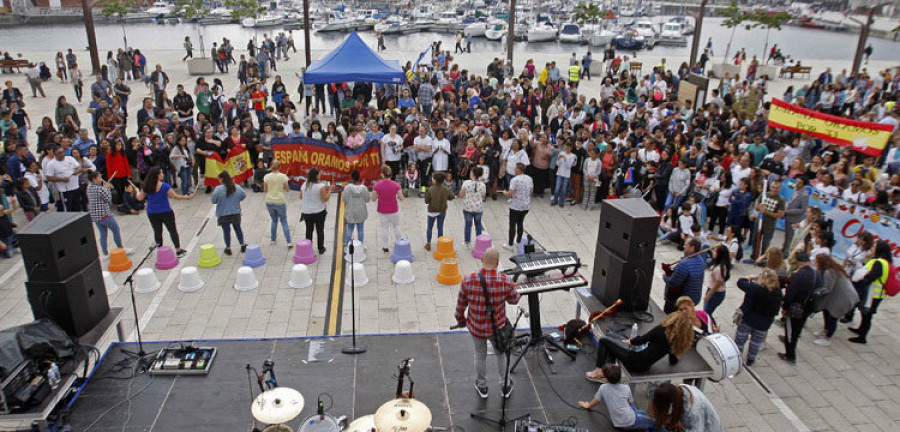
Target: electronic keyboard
x,y
563,283
535,263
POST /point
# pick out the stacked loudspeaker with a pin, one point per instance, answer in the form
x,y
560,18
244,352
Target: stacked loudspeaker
x,y
623,259
65,279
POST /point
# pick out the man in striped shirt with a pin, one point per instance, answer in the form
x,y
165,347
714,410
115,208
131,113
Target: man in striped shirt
x,y
501,290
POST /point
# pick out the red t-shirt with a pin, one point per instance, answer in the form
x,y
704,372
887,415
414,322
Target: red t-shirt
x,y
259,100
387,196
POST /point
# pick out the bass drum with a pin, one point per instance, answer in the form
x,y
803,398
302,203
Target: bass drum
x,y
722,354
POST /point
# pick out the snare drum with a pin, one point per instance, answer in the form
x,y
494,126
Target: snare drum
x,y
722,354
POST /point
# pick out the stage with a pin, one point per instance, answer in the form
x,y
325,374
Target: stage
x,y
442,370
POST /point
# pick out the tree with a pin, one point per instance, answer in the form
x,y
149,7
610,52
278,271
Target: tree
x,y
587,13
119,9
246,9
768,21
734,17
194,10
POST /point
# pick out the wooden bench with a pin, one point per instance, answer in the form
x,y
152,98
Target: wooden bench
x,y
800,70
9,64
635,66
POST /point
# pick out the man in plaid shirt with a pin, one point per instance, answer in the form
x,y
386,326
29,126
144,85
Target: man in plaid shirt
x,y
502,290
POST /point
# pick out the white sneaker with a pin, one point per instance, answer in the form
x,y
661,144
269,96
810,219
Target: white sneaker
x,y
819,334
509,247
273,243
129,251
823,342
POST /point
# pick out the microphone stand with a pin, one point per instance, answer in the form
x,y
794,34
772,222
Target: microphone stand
x,y
140,355
503,421
353,349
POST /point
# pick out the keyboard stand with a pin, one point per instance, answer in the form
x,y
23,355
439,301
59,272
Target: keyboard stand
x,y
538,338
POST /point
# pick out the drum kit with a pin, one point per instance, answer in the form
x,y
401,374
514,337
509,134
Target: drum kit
x,y
280,405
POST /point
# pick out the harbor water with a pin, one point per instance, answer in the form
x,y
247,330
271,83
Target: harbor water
x,y
805,44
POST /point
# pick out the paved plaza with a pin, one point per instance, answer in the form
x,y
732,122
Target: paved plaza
x,y
843,387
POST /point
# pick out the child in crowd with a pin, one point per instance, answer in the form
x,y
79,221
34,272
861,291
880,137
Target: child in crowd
x,y
411,179
619,402
130,203
8,241
28,198
258,174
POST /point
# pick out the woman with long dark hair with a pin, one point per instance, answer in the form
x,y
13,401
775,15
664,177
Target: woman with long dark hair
x,y
870,286
159,211
719,273
313,197
227,197
682,408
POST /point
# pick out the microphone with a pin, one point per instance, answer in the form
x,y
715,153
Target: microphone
x,y
523,312
153,246
350,247
458,326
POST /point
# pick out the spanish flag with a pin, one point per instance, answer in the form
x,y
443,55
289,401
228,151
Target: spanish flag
x,y
237,164
865,137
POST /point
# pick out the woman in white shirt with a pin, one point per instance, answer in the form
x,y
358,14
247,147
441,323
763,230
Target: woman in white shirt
x,y
516,155
719,212
440,156
472,193
392,149
823,243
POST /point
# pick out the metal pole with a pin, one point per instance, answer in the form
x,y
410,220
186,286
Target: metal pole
x,y
87,8
306,32
697,40
511,32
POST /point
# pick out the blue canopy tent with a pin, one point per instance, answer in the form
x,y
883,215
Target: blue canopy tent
x,y
354,61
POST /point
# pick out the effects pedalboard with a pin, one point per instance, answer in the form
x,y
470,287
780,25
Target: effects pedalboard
x,y
183,360
529,425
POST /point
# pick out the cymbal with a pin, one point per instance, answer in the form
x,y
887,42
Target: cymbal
x,y
403,415
276,406
278,428
362,424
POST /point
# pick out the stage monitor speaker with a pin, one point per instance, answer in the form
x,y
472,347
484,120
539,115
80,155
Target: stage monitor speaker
x,y
615,278
628,227
56,245
76,304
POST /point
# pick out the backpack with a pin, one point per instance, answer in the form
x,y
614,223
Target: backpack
x,y
892,284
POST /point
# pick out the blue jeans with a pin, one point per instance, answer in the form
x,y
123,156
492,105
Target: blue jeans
x,y
184,179
10,248
642,421
440,225
671,200
226,231
559,192
360,235
279,212
713,303
108,224
472,217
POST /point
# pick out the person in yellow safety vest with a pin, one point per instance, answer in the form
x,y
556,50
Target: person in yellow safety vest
x,y
662,66
574,74
872,285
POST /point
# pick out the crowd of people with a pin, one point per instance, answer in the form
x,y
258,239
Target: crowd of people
x,y
713,170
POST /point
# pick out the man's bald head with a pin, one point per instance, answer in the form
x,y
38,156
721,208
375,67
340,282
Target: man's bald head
x,y
491,258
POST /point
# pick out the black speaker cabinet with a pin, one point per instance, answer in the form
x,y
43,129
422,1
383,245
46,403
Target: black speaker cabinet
x,y
56,245
615,278
628,228
76,304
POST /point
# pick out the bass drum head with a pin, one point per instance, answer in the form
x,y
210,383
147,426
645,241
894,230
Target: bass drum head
x,y
722,355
